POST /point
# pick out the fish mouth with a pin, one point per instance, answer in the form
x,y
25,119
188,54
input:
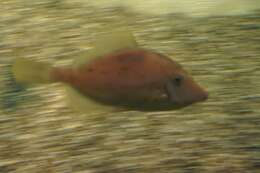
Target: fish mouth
x,y
204,96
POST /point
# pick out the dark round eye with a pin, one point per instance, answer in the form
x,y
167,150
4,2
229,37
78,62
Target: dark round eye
x,y
177,80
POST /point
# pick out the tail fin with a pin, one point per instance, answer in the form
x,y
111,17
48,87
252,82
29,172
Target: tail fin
x,y
31,72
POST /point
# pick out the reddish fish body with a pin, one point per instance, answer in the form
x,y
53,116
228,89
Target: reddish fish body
x,y
136,78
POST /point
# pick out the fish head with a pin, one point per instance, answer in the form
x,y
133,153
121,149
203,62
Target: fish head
x,y
182,90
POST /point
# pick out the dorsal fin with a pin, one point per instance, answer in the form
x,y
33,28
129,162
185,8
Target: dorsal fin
x,y
107,43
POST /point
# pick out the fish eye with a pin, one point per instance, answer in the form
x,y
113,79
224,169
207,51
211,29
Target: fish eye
x,y
177,80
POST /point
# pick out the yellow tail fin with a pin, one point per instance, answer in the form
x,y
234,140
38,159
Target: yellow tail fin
x,y
31,72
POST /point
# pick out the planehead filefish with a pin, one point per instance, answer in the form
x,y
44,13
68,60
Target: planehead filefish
x,y
119,73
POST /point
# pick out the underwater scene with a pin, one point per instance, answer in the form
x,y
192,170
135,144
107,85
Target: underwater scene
x,y
50,127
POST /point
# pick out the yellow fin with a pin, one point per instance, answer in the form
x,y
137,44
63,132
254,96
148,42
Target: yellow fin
x,y
83,104
118,39
31,72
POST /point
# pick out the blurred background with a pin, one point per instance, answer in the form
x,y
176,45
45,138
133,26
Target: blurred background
x,y
218,42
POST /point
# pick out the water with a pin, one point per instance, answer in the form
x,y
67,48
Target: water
x,y
39,132
194,8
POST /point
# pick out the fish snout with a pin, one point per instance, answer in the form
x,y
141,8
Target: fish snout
x,y
188,93
206,95
203,95
195,94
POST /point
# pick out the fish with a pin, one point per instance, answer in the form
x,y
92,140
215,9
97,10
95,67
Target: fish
x,y
118,72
